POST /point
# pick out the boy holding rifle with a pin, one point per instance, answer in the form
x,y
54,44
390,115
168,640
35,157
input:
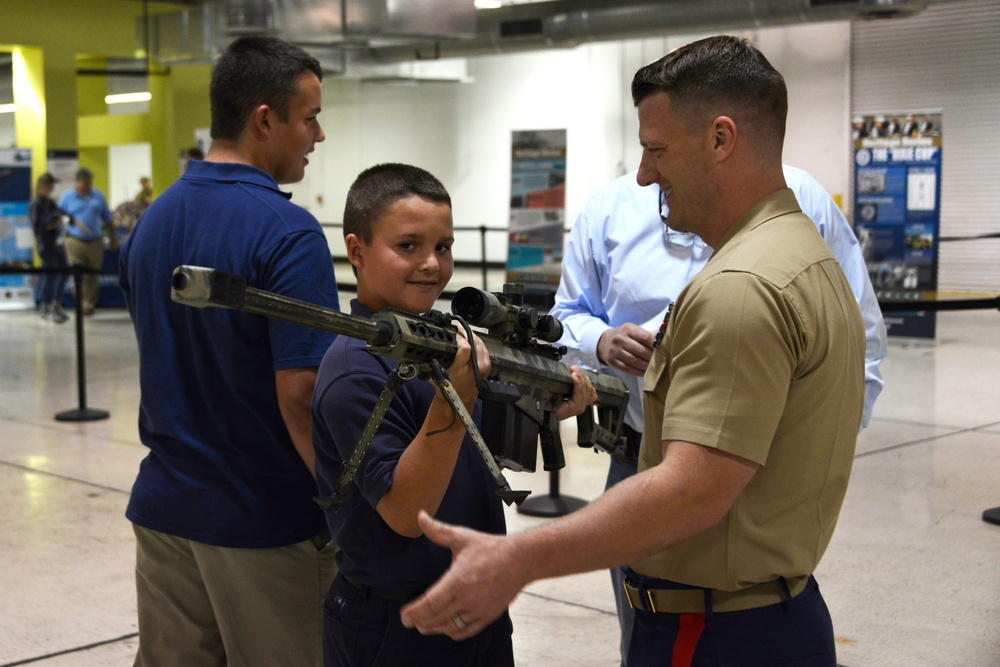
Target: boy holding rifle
x,y
398,232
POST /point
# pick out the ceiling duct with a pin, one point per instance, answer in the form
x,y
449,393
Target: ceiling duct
x,y
200,33
350,36
568,23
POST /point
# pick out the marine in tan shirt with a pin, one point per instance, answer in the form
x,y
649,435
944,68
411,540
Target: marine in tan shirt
x,y
755,391
762,358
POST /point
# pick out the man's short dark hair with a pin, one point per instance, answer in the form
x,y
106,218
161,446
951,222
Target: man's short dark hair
x,y
255,71
377,188
84,174
720,75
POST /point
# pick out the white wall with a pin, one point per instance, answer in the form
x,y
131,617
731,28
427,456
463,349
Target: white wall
x,y
461,131
127,163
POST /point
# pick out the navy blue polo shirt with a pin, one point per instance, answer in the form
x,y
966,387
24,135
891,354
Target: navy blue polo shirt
x,y
222,468
371,553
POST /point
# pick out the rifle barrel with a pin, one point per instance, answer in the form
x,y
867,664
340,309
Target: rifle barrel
x,y
200,287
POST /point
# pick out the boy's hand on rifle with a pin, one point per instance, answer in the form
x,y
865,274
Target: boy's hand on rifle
x,y
584,395
460,371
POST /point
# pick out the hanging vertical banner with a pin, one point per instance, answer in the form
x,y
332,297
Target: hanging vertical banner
x,y
17,241
897,209
537,213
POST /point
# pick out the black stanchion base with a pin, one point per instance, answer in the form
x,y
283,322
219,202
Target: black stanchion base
x,y
82,415
550,505
992,515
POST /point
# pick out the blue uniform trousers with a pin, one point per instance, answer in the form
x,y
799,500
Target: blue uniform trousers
x,y
362,629
795,633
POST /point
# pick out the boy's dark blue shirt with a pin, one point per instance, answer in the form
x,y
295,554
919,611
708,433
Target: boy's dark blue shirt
x,y
371,553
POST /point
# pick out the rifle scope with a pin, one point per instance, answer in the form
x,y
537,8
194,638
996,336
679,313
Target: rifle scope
x,y
492,310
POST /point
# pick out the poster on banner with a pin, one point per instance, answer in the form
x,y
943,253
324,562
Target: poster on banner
x,y
537,213
897,209
17,241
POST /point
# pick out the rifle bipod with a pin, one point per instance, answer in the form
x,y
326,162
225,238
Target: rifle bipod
x,y
439,376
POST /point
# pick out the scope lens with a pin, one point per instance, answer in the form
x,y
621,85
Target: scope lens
x,y
549,329
477,307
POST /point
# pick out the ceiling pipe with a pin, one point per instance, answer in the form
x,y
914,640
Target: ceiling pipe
x,y
568,23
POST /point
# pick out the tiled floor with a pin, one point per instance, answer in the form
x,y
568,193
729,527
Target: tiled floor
x,y
912,576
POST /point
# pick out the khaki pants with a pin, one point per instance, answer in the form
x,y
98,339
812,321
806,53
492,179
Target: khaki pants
x,y
89,254
204,605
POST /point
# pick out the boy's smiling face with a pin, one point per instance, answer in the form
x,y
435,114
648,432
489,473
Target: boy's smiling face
x,y
409,262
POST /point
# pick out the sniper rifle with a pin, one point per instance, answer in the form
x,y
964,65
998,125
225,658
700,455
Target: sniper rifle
x,y
526,384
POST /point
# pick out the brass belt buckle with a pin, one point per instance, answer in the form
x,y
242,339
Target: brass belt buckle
x,y
628,594
650,605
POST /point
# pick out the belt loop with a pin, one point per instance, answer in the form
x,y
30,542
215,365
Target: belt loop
x,y
708,604
786,592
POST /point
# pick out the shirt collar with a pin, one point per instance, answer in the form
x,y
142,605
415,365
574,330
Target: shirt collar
x,y
232,172
360,309
776,204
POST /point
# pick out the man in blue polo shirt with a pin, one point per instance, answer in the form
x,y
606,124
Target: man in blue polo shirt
x,y
85,237
233,561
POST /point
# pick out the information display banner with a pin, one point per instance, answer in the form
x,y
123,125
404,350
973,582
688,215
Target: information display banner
x,y
537,213
897,209
17,241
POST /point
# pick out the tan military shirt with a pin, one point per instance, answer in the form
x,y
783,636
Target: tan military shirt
x,y
763,358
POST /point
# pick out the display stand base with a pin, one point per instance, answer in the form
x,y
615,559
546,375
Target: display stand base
x,y
82,415
550,506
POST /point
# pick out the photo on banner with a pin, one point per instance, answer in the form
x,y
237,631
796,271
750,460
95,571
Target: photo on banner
x,y
537,214
897,209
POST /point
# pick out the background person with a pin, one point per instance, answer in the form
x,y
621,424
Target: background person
x,y
85,239
128,213
610,307
232,555
47,224
753,400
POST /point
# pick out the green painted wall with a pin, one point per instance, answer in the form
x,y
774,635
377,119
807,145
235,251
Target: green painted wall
x,y
67,30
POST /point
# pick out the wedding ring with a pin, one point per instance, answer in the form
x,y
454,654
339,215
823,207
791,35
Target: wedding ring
x,y
459,623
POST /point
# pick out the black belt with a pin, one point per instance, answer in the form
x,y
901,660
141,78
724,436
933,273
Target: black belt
x,y
399,595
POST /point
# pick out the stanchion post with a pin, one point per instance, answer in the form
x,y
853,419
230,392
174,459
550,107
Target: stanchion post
x,y
482,254
552,505
82,413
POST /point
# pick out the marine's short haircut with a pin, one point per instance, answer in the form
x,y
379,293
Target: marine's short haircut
x,y
251,72
720,75
377,188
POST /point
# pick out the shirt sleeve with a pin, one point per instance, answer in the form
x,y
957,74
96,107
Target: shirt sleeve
x,y
345,406
732,350
578,304
299,267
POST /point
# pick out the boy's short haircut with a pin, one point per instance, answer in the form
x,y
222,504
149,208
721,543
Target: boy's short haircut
x,y
378,188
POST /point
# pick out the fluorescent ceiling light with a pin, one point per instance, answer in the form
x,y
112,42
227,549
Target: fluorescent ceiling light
x,y
8,108
488,4
122,98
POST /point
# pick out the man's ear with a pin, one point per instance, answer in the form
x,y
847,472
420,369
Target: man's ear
x,y
355,250
724,135
260,120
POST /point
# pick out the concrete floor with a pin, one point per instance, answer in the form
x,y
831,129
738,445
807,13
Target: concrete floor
x,y
912,577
